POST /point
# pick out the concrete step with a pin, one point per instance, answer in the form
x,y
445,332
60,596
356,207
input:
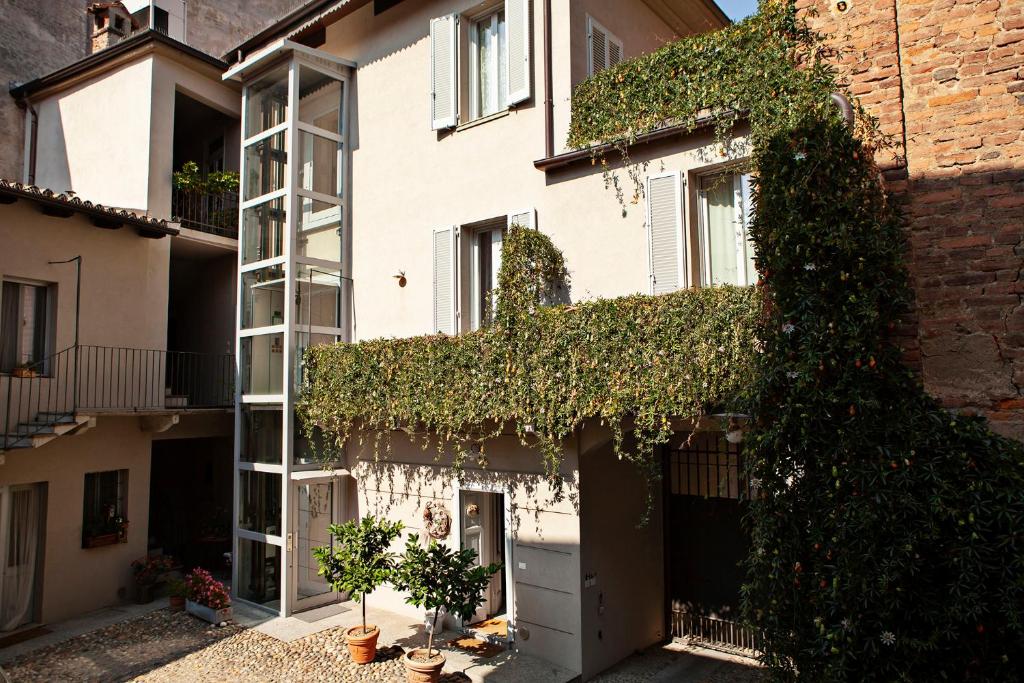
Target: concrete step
x,y
173,401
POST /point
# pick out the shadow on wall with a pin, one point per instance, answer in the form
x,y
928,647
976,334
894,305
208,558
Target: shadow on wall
x,y
52,170
966,261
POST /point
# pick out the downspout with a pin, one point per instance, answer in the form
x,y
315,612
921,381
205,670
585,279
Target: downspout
x,y
549,101
33,140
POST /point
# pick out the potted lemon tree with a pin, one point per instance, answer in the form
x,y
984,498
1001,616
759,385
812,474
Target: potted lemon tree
x,y
358,564
439,580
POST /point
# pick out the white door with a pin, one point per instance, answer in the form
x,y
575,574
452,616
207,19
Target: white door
x,y
20,534
316,508
480,533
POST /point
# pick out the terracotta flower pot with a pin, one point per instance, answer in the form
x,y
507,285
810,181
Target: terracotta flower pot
x,y
422,672
177,603
362,647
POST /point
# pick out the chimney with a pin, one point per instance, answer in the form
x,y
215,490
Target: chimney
x,y
111,23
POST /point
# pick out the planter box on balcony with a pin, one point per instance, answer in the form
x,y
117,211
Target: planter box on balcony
x,y
214,616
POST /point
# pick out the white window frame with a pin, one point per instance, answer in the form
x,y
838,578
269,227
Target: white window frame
x,y
475,285
500,93
609,40
741,219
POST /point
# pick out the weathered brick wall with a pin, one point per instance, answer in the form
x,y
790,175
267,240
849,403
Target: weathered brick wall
x,y
946,79
38,37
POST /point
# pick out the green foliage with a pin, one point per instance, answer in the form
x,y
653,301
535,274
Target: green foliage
x,y
887,535
190,179
544,369
437,578
359,561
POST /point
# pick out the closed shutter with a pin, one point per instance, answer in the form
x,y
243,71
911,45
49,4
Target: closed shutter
x,y
444,52
527,218
598,46
614,51
665,232
445,280
517,22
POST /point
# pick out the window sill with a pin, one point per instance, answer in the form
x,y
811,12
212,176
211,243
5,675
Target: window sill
x,y
482,120
103,539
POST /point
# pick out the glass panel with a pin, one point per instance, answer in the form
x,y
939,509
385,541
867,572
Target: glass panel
x,y
316,512
259,572
267,102
261,434
263,297
318,296
317,450
319,100
491,64
720,230
262,364
266,166
319,230
319,160
259,502
263,228
304,340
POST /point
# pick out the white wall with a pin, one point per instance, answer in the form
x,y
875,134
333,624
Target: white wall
x,y
94,138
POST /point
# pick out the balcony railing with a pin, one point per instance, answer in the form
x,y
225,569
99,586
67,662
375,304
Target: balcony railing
x,y
216,214
94,379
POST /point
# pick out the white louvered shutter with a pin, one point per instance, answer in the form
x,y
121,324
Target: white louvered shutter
x,y
527,218
665,232
598,47
445,280
444,90
517,23
614,50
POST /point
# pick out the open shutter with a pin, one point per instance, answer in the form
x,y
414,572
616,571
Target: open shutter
x,y
527,218
665,232
517,22
444,52
445,284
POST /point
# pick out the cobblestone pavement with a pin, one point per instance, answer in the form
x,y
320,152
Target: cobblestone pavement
x,y
677,663
166,646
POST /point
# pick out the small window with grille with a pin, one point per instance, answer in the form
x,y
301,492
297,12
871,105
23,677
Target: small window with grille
x,y
708,466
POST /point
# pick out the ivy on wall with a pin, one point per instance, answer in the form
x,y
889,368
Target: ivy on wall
x,y
541,369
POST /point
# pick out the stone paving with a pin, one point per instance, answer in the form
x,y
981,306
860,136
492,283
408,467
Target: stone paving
x,y
678,663
166,646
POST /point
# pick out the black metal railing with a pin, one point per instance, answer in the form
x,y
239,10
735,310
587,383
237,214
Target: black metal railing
x,y
45,394
216,214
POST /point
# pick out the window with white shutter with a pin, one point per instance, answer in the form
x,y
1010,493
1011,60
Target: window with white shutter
x,y
444,53
517,16
725,212
527,218
605,49
665,232
446,293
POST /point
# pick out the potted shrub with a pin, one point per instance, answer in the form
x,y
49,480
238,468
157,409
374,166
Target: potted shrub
x,y
177,591
439,580
358,564
206,597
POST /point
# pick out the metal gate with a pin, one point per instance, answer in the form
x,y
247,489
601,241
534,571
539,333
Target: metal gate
x,y
705,543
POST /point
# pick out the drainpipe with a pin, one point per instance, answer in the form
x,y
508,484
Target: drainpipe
x,y
33,140
549,101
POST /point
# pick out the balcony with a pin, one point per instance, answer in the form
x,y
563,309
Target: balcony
x,y
54,396
215,214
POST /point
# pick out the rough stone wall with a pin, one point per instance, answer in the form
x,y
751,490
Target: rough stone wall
x,y
38,37
946,79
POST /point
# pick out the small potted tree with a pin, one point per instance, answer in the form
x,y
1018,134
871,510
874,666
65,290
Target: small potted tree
x,y
358,564
439,580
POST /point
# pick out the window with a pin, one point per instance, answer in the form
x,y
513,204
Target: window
x,y
494,75
487,64
26,328
727,254
485,261
604,49
103,514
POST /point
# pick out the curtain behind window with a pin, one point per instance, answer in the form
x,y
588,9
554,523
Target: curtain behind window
x,y
9,327
19,576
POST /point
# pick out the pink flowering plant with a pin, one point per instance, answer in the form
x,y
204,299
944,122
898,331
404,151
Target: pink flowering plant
x,y
202,588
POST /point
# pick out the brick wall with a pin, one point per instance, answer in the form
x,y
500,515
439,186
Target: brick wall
x,y
946,79
38,37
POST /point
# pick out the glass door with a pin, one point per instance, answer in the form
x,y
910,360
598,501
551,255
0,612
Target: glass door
x,y
316,508
20,548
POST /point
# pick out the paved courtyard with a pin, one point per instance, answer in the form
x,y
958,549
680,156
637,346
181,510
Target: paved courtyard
x,y
165,646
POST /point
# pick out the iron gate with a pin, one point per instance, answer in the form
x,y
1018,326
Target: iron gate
x,y
705,542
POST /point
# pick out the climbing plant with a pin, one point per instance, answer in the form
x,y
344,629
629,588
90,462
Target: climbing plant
x,y
542,369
